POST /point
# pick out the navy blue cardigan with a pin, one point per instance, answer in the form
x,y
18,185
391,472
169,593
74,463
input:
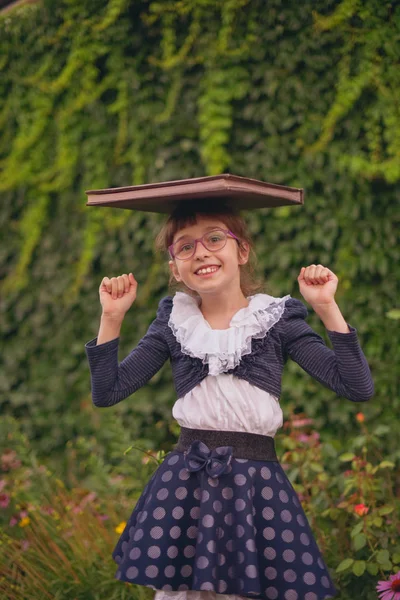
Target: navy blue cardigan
x,y
344,369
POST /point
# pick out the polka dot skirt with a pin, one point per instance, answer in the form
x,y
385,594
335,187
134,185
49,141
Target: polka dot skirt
x,y
243,533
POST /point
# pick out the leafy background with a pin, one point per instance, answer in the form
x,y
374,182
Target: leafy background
x,y
120,92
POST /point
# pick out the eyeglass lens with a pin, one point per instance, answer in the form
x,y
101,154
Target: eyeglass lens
x,y
213,240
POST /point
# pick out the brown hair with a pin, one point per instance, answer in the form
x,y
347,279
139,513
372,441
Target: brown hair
x,y
185,213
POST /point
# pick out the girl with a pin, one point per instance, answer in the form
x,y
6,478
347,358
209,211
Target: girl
x,y
219,517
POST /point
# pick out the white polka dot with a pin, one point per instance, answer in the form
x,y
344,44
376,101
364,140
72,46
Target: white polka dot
x,y
202,562
189,551
291,595
289,575
186,571
174,459
270,553
267,493
304,538
181,493
286,516
151,571
138,535
192,532
132,572
178,512
207,585
287,535
271,593
143,516
265,473
156,532
239,479
135,553
175,532
300,520
158,513
169,571
268,513
154,552
307,558
240,504
325,581
270,573
250,545
269,533
227,493
162,494
228,518
288,555
172,552
309,578
205,495
208,521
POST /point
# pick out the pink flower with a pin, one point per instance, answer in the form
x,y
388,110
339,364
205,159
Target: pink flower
x,y
302,422
4,500
389,590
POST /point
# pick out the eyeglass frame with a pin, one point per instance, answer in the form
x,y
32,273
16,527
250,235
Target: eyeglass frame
x,y
200,239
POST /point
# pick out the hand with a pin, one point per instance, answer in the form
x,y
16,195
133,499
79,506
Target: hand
x,y
117,295
317,285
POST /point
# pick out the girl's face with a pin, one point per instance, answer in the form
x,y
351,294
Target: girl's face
x,y
228,260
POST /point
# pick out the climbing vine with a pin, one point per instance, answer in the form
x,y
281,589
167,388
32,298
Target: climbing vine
x,y
107,93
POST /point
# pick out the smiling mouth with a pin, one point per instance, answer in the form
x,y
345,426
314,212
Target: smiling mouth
x,y
208,274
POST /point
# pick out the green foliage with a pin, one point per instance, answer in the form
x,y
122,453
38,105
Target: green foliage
x,y
80,511
112,93
369,80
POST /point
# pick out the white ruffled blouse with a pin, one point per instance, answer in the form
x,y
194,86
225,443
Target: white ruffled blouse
x,y
221,400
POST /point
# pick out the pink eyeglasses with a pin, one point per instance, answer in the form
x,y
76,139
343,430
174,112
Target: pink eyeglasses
x,y
212,240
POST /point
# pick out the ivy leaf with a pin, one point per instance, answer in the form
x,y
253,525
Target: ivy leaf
x,y
347,456
357,529
344,565
382,557
359,567
359,541
385,510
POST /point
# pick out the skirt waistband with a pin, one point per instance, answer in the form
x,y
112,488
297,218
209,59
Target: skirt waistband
x,y
244,444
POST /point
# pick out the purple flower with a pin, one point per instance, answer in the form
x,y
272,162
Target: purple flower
x,y
389,590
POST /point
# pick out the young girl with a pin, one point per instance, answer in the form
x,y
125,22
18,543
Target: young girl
x,y
219,517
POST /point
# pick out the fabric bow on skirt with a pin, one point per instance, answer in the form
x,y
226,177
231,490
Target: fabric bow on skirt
x,y
215,462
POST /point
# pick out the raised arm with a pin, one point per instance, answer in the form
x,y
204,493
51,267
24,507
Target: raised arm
x,y
344,369
112,382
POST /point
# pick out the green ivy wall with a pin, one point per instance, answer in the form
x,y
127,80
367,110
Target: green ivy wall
x,y
107,93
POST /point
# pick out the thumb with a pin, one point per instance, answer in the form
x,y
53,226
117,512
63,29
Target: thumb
x,y
132,280
301,275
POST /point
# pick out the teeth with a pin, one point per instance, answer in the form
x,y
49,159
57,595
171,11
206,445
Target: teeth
x,y
208,270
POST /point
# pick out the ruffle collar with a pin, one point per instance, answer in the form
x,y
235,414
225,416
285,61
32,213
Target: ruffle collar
x,y
222,349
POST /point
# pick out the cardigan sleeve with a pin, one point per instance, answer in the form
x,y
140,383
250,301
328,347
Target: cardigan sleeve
x,y
344,369
112,382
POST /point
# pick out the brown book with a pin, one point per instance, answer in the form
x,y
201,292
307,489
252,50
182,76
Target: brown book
x,y
241,192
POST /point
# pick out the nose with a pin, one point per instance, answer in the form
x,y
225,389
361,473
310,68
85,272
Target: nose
x,y
200,250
